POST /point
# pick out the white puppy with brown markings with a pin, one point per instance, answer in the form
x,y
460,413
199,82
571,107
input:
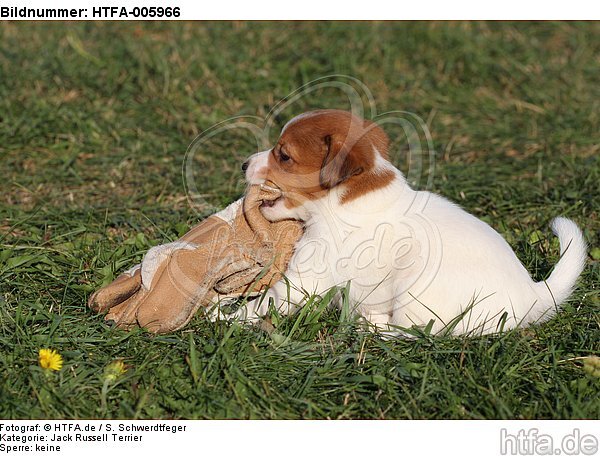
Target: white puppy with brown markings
x,y
410,256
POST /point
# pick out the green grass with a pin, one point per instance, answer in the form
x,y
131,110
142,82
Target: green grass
x,y
95,119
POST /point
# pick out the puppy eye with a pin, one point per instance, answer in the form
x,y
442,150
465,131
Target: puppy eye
x,y
283,156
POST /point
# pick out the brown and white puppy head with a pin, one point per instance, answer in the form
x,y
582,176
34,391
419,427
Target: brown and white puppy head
x,y
317,152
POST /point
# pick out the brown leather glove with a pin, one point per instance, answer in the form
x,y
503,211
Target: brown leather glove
x,y
231,253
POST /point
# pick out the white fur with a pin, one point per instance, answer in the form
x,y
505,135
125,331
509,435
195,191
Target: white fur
x,y
255,174
257,167
413,256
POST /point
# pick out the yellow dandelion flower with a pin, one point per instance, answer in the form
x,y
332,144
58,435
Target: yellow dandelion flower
x,y
114,370
50,359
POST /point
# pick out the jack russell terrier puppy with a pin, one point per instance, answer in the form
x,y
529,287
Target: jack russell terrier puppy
x,y
406,257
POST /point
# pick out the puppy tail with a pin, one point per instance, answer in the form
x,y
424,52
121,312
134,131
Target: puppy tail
x,y
573,251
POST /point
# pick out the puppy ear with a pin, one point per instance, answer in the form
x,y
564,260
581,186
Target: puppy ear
x,y
340,163
378,138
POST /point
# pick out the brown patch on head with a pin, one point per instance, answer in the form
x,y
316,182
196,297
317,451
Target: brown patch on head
x,y
322,149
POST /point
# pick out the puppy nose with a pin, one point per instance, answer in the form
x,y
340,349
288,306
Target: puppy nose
x,y
245,165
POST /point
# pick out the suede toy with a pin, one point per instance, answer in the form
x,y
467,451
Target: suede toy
x,y
231,253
